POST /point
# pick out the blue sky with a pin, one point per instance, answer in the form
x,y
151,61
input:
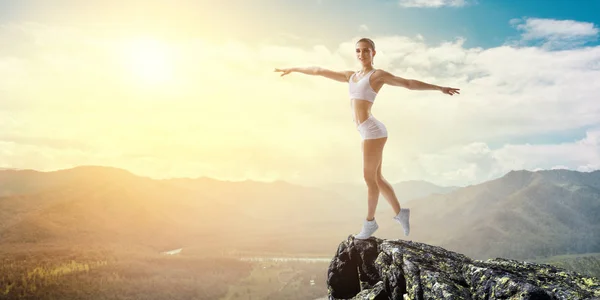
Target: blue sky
x,y
484,23
527,71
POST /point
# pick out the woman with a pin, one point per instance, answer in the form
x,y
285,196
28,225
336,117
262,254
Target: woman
x,y
363,87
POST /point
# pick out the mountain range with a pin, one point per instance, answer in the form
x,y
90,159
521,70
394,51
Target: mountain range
x,y
520,215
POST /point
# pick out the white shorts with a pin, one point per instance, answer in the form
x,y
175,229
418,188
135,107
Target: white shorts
x,y
372,128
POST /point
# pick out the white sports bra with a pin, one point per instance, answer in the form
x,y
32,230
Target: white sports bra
x,y
362,89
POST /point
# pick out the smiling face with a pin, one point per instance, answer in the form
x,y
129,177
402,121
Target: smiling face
x,y
365,53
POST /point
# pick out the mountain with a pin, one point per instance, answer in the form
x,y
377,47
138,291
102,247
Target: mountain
x,y
397,269
24,181
99,204
103,205
96,205
413,189
520,215
406,191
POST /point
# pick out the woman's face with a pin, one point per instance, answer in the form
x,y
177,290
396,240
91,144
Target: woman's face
x,y
364,53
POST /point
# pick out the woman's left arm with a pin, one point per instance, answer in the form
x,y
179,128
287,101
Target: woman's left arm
x,y
412,84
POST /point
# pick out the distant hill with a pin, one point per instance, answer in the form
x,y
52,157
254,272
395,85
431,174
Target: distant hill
x,y
520,215
413,189
25,181
92,204
406,191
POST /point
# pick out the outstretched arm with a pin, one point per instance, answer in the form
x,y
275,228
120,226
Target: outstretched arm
x,y
342,76
412,84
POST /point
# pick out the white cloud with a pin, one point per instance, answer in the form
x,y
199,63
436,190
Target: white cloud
x,y
363,28
476,162
304,122
552,33
432,3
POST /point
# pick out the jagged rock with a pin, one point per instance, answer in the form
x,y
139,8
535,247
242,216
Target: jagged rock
x,y
397,269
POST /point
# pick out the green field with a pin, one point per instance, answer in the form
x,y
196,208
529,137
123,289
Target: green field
x,y
109,274
282,280
47,273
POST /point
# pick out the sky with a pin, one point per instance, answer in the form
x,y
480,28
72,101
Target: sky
x,y
187,88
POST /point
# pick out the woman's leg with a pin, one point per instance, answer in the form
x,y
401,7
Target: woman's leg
x,y
372,149
373,152
372,156
401,215
387,191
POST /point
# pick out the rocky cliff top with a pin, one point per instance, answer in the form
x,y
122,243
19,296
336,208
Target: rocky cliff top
x,y
397,269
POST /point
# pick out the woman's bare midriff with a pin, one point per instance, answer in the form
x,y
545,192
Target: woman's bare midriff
x,y
361,110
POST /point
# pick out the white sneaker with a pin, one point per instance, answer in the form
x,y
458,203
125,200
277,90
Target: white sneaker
x,y
369,227
403,218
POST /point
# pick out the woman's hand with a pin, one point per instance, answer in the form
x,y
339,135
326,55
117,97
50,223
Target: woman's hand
x,y
285,71
450,91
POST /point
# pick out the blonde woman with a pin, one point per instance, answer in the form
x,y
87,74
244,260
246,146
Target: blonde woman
x,y
364,86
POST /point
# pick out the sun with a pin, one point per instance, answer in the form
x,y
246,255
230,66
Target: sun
x,y
149,60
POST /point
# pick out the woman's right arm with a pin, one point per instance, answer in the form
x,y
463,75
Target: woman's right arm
x,y
342,76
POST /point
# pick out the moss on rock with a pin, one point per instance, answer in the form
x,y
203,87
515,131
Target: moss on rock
x,y
398,269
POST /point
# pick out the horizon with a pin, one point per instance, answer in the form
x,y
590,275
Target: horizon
x,y
287,182
180,89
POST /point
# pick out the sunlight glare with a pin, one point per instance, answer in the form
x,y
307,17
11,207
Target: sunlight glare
x,y
150,60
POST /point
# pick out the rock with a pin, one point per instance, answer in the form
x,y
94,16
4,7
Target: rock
x,y
397,269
